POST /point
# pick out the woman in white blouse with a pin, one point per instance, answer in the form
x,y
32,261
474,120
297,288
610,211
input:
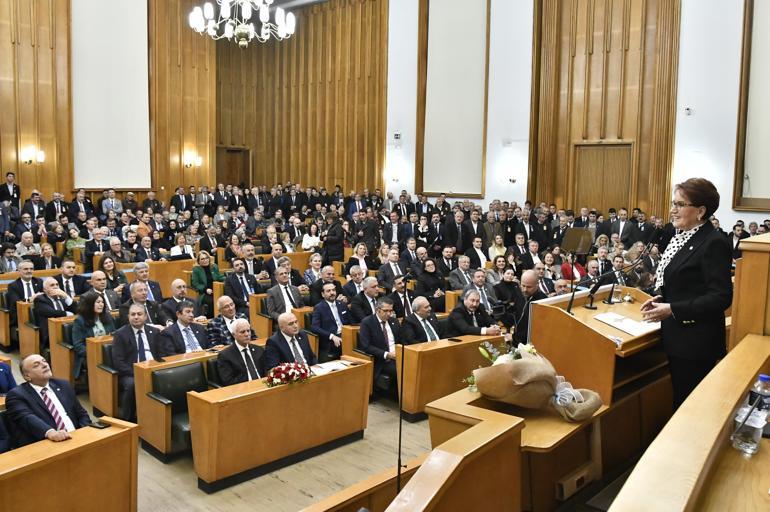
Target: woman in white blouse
x,y
310,240
182,247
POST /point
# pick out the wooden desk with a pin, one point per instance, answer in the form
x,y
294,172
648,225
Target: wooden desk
x,y
62,358
29,338
550,447
336,404
690,464
164,272
104,462
102,385
751,297
437,368
154,418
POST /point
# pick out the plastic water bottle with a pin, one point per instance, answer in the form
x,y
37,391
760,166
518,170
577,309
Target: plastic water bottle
x,y
761,391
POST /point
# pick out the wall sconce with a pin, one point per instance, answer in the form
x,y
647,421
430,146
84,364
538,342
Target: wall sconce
x,y
31,155
191,159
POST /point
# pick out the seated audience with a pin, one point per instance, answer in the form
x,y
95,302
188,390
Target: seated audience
x,y
329,315
401,297
327,276
47,259
203,276
181,248
154,313
178,294
239,285
146,252
93,320
43,407
241,361
468,318
72,284
353,287
377,337
461,277
220,329
118,253
431,285
135,342
26,287
116,279
422,325
288,344
283,297
313,273
9,261
184,335
365,303
52,303
486,291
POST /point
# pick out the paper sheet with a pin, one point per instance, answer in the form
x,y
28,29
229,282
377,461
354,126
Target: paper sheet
x,y
627,325
329,366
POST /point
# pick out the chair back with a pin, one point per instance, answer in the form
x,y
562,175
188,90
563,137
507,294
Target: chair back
x,y
263,304
309,321
66,333
174,383
445,327
212,371
5,424
107,354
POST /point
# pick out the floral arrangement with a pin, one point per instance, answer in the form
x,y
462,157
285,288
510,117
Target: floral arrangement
x,y
503,353
287,373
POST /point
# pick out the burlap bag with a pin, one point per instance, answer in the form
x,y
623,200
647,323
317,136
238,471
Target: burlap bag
x,y
528,382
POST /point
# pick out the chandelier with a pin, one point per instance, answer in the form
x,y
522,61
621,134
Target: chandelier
x,y
234,21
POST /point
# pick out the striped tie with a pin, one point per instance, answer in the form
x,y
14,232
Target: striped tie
x,y
52,409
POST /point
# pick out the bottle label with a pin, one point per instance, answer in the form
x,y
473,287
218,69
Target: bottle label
x,y
762,406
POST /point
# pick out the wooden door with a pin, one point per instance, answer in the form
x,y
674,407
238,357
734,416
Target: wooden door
x,y
233,165
602,176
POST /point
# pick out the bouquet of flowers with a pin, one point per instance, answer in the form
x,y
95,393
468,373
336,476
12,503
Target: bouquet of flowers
x,y
521,376
287,373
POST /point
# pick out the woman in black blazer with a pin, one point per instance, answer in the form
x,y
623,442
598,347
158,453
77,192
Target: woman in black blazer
x,y
431,285
92,320
694,288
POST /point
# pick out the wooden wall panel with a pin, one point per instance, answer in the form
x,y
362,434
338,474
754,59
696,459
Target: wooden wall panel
x,y
312,109
604,72
182,97
35,93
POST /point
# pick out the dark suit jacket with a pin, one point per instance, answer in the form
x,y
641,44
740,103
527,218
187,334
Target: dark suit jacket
x,y
142,254
80,284
74,208
316,290
124,353
157,315
44,309
277,350
6,195
630,232
157,294
235,291
30,416
205,244
360,307
371,340
172,342
232,369
398,305
39,262
50,210
387,233
385,275
412,330
461,320
15,294
698,287
177,202
324,325
450,236
349,289
442,267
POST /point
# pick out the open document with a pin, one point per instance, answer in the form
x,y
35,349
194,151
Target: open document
x,y
627,325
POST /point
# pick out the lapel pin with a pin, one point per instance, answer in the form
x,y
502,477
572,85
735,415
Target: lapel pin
x,y
691,247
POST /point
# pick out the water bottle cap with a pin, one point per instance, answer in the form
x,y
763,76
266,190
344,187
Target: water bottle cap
x,y
764,378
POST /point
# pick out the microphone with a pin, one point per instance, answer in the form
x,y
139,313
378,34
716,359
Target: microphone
x,y
598,279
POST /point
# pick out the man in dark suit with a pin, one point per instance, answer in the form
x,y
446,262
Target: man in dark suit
x,y
220,329
390,270
146,252
99,286
133,343
316,289
403,208
644,229
236,200
329,315
80,204
377,337
544,284
211,240
422,325
142,274
55,207
527,292
72,284
393,231
52,303
181,201
365,303
25,288
447,262
401,297
184,335
34,206
241,361
10,191
475,228
95,246
288,344
239,285
354,285
625,228
468,318
456,233
43,407
476,253
138,295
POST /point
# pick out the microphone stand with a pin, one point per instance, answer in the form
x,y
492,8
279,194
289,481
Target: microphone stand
x,y
599,278
400,421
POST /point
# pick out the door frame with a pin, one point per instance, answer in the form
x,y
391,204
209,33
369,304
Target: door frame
x,y
222,149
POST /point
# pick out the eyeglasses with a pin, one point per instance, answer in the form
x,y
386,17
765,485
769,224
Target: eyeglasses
x,y
680,204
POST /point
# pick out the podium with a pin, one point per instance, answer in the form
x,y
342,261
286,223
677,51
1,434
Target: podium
x,y
590,353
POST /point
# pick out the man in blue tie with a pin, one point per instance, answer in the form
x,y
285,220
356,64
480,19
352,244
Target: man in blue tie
x,y
184,335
